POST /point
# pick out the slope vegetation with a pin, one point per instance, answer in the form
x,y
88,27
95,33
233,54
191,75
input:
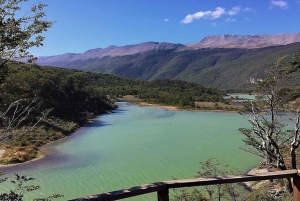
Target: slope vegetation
x,y
227,69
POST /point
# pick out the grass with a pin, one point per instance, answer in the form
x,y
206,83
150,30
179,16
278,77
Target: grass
x,y
219,106
26,147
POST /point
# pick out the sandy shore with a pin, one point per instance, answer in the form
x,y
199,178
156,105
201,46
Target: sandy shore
x,y
174,108
1,153
144,104
40,155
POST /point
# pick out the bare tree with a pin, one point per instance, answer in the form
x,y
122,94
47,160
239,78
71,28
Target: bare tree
x,y
269,115
19,31
13,118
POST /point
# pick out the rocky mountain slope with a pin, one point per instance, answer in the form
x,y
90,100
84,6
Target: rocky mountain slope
x,y
110,51
226,41
245,41
233,68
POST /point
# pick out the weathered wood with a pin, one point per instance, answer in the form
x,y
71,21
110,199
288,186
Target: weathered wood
x,y
162,187
163,195
125,193
296,187
230,179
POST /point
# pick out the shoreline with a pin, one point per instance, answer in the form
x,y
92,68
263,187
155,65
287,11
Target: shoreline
x,y
175,108
42,153
42,150
199,106
145,104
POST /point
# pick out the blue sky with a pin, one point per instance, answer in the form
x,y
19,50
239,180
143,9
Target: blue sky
x,y
87,24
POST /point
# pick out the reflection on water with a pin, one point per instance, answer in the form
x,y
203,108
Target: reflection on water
x,y
136,145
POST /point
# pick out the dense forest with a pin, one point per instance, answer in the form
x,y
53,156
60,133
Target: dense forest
x,y
163,91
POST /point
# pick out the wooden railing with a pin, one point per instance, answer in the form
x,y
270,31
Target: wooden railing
x,y
162,188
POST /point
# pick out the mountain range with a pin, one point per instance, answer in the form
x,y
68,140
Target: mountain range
x,y
229,62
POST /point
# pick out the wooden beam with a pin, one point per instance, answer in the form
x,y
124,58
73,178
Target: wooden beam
x,y
296,188
230,179
125,193
162,187
163,195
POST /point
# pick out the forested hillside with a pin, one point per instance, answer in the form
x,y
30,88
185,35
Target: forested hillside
x,y
68,94
161,91
72,94
232,70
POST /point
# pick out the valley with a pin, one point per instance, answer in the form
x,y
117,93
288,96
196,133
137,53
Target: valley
x,y
234,68
97,96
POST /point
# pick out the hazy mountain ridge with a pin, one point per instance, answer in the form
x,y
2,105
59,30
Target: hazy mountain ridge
x,y
229,69
110,51
226,41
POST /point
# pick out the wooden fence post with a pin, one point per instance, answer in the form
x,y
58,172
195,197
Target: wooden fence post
x,y
296,187
163,195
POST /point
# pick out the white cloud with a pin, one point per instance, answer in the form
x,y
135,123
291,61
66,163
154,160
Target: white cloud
x,y
166,20
281,4
217,13
235,10
230,20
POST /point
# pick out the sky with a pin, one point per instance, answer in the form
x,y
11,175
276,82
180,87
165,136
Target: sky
x,y
81,25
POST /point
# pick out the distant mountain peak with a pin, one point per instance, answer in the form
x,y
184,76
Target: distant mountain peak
x,y
245,41
224,41
111,51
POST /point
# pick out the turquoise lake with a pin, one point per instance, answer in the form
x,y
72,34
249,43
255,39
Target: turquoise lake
x,y
134,146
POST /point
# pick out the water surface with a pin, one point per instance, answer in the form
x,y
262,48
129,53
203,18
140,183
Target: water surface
x,y
134,146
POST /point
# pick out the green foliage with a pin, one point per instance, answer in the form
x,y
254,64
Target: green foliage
x,y
178,93
21,187
213,168
161,91
209,169
70,95
184,194
20,30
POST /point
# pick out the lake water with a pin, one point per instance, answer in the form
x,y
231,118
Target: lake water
x,y
134,146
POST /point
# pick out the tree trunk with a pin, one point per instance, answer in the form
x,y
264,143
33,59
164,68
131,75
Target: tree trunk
x,y
287,181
